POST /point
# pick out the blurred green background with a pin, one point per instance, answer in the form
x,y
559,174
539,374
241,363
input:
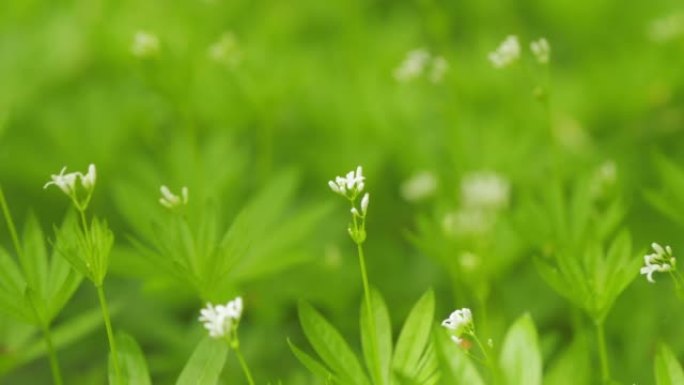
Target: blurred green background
x,y
306,87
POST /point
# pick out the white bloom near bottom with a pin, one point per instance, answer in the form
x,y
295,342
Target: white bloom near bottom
x,y
220,320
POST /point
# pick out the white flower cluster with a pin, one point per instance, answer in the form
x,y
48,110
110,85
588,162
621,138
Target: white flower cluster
x,y
350,185
541,50
67,183
483,195
419,187
418,62
221,320
226,50
507,53
459,322
145,45
661,261
171,200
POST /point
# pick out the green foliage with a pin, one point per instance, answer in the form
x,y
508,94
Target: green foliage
x,y
521,360
131,361
668,371
205,364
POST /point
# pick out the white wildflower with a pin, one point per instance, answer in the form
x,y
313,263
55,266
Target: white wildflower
x,y
459,322
418,187
507,52
541,50
413,65
171,200
88,180
440,66
350,185
65,182
226,50
221,320
485,190
145,44
661,261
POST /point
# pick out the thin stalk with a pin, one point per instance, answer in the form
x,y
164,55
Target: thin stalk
x,y
10,224
245,367
603,352
369,310
52,354
488,360
108,326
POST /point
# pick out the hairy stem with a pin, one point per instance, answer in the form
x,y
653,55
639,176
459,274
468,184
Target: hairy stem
x,y
108,327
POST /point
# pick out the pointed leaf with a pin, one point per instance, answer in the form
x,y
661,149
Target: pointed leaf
x,y
383,338
310,363
668,371
457,368
34,260
131,362
521,361
330,346
415,335
206,363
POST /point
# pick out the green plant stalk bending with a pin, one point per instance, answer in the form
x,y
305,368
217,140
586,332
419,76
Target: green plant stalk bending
x,y
110,333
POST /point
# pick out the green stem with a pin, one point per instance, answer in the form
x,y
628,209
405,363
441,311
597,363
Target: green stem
x,y
10,224
245,367
52,354
603,352
110,333
369,310
488,359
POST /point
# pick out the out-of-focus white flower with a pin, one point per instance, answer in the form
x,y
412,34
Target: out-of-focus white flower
x,y
413,65
667,28
145,44
349,185
469,261
459,322
507,52
171,200
364,204
440,66
661,261
604,177
541,50
467,222
485,190
226,50
418,187
88,180
221,320
65,182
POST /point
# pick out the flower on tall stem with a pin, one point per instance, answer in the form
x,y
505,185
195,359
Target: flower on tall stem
x,y
507,53
80,196
460,322
221,321
662,261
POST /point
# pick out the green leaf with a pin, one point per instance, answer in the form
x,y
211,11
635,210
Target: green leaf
x,y
668,371
206,363
34,259
131,362
330,346
383,337
457,368
310,363
414,336
520,360
573,365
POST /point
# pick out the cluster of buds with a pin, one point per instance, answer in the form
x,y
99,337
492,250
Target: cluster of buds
x,y
221,321
67,182
171,200
459,323
351,186
662,261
